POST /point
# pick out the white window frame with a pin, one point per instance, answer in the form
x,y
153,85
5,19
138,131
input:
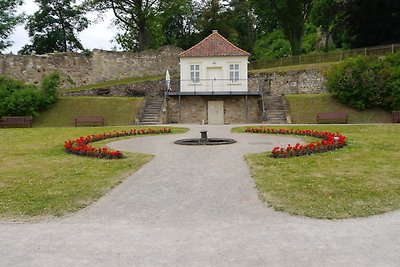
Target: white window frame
x,y
195,73
234,72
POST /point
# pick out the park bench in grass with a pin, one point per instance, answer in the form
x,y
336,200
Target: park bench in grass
x,y
89,120
396,116
16,120
332,117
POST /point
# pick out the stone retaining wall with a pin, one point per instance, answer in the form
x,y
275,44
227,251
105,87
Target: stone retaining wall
x,y
194,109
80,69
293,82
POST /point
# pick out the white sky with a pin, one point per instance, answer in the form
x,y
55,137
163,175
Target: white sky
x,y
98,35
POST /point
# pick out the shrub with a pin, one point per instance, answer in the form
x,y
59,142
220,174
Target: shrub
x,y
365,82
19,99
49,87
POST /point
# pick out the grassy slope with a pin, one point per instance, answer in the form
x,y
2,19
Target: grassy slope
x,y
318,66
116,110
113,83
38,179
304,109
360,180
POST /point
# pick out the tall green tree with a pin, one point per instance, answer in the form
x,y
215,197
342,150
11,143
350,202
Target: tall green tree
x,y
8,20
134,17
241,16
329,16
55,27
292,15
214,17
266,20
372,22
177,19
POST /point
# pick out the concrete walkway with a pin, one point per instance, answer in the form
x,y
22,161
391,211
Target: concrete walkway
x,y
197,206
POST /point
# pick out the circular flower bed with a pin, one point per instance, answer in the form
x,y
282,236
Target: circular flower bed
x,y
330,141
80,146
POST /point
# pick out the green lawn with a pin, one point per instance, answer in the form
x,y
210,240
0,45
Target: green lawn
x,y
315,103
360,180
116,111
39,180
113,83
316,66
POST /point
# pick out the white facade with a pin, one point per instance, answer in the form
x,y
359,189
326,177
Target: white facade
x,y
214,74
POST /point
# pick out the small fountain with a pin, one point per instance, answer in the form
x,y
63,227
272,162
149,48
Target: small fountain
x,y
204,140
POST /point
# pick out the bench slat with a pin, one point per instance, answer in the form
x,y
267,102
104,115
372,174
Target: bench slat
x,y
16,120
332,117
89,119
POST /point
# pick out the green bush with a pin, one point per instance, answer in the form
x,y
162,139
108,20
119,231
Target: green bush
x,y
19,99
365,82
271,45
49,87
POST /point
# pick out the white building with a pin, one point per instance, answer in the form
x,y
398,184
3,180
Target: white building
x,y
214,86
214,65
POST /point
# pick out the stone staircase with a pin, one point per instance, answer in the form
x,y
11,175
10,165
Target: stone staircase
x,y
275,110
150,114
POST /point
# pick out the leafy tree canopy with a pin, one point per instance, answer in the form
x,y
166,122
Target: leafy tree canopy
x,y
55,27
8,20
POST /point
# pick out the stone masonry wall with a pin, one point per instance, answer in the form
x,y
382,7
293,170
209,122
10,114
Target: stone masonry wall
x,y
194,109
293,82
80,69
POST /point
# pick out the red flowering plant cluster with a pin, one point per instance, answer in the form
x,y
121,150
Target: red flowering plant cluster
x,y
81,145
330,141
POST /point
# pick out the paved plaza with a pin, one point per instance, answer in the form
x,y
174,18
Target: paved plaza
x,y
197,206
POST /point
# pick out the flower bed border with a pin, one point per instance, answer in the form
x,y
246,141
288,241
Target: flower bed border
x,y
80,146
330,141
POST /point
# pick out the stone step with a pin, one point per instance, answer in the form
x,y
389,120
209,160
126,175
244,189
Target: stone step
x,y
151,110
148,123
276,122
149,116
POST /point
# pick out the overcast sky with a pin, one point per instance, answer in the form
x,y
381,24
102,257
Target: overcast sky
x,y
98,35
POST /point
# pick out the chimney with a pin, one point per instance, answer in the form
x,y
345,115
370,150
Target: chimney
x,y
215,31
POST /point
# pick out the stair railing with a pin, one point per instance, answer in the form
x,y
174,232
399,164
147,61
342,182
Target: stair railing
x,y
262,91
141,111
163,111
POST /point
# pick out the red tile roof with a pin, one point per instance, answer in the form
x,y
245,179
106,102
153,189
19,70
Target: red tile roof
x,y
215,45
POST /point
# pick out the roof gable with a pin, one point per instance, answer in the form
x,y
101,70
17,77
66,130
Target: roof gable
x,y
215,45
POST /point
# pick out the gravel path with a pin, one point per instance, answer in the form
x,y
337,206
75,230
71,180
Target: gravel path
x,y
197,206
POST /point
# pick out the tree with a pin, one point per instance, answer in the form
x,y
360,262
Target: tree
x,y
372,22
134,17
242,19
8,20
266,20
55,27
292,15
177,20
214,17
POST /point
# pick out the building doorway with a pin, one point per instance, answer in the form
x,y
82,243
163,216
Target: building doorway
x,y
216,112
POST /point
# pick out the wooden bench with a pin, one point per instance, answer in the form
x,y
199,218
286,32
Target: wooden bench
x,y
89,120
338,117
16,120
396,116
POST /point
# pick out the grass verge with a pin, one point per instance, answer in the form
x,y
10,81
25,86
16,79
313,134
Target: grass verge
x,y
360,180
113,83
39,180
317,66
327,103
116,111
